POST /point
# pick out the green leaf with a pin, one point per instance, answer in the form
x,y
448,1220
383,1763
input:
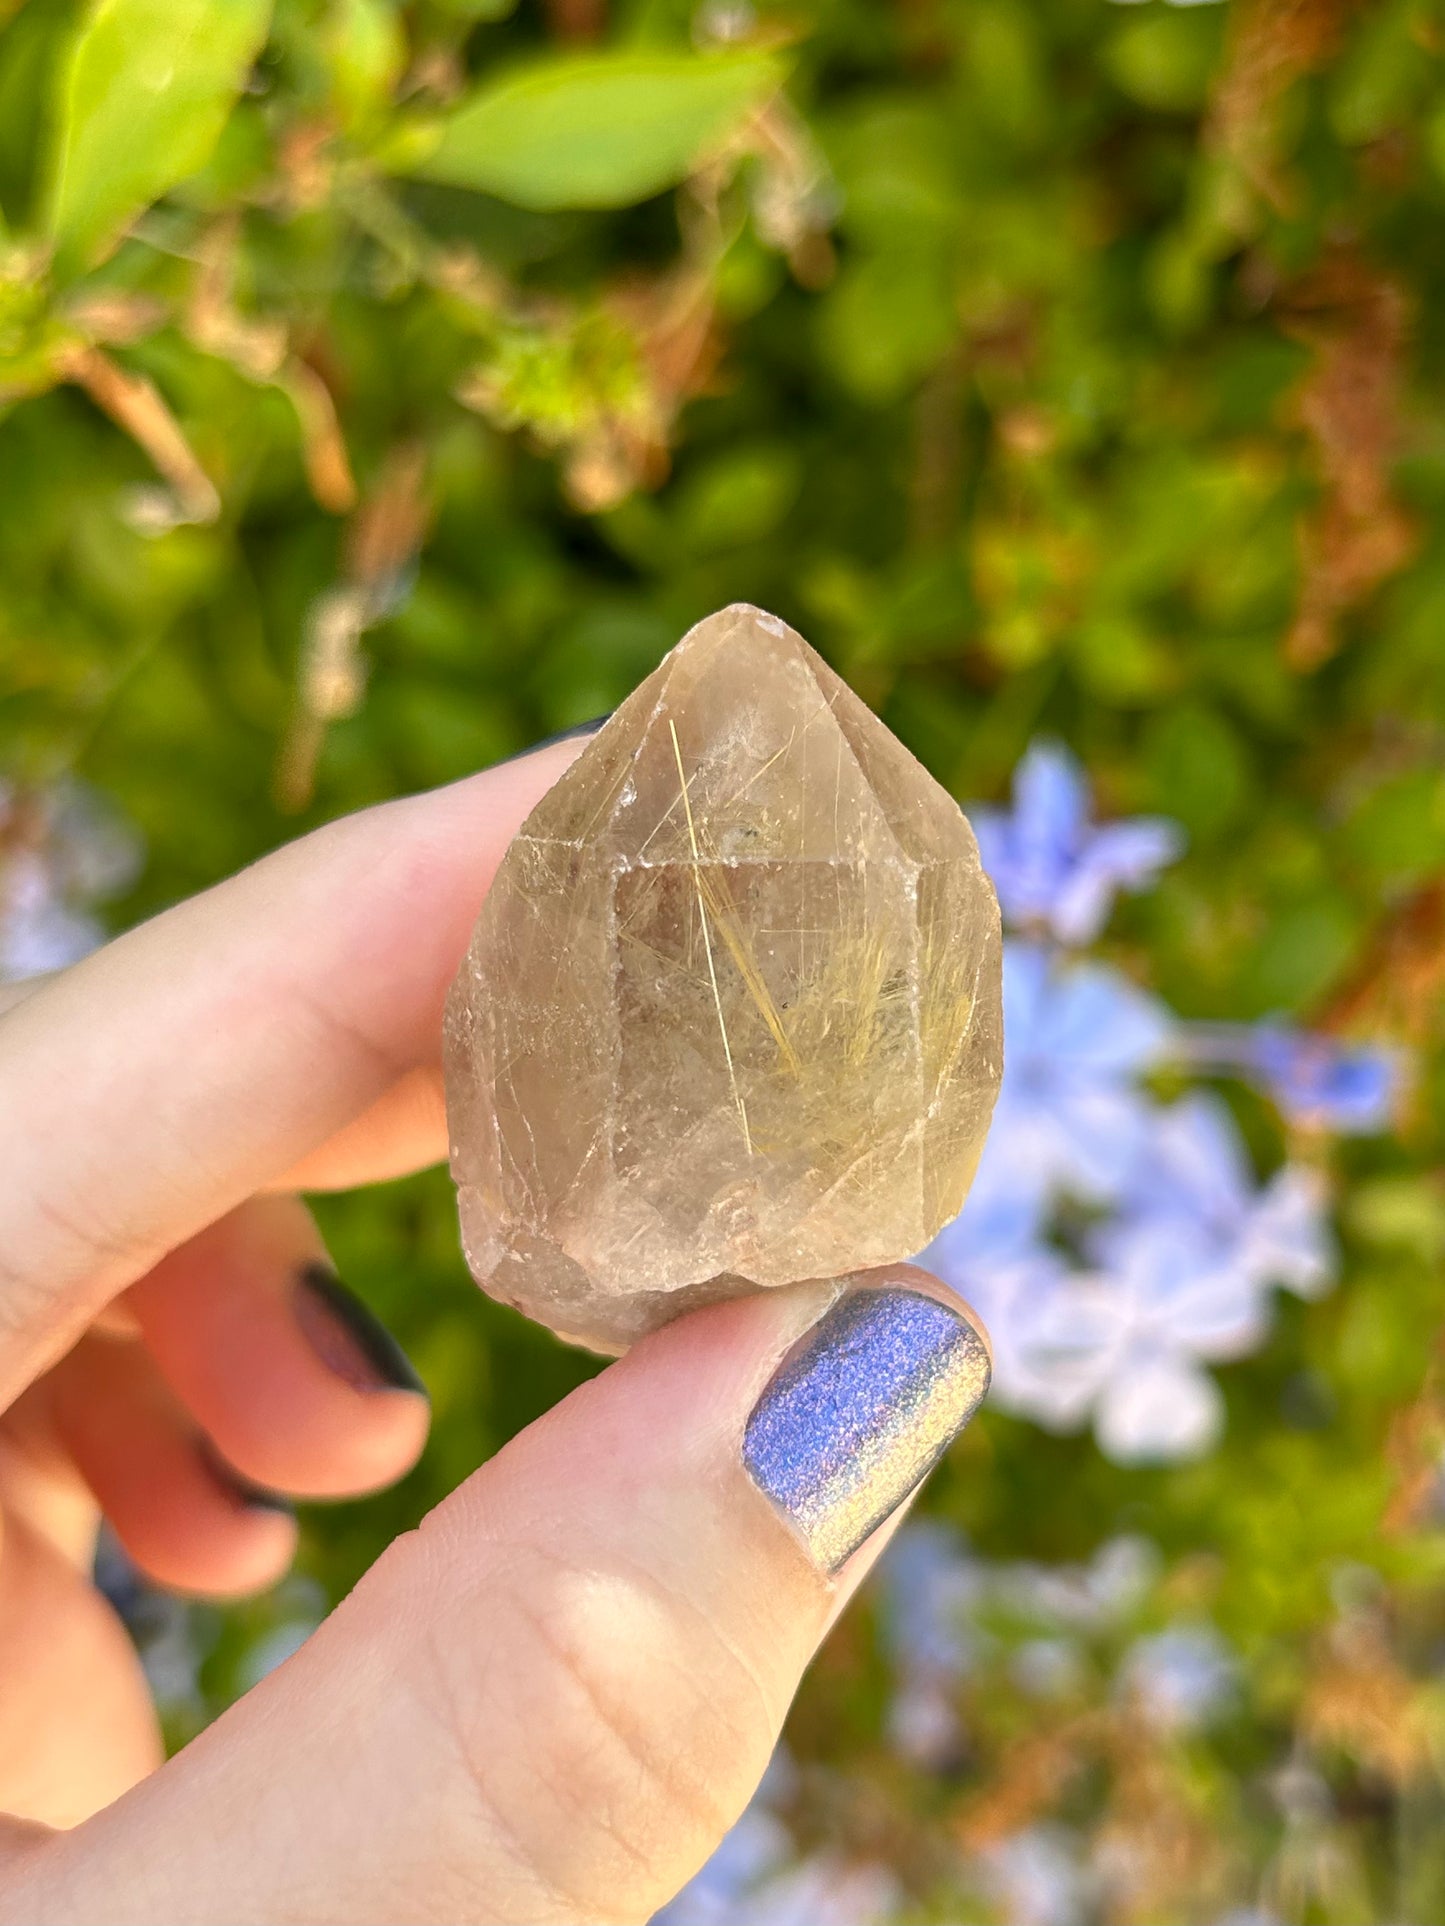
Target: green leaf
x,y
478,9
1167,60
1396,834
1403,1212
740,496
142,101
888,320
365,49
597,129
31,46
1383,75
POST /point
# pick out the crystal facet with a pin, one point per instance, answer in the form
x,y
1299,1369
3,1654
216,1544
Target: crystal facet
x,y
730,1014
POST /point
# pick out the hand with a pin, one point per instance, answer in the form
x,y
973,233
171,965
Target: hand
x,y
550,1701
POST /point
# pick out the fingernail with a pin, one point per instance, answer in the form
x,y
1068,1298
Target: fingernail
x,y
241,1491
860,1411
347,1338
562,735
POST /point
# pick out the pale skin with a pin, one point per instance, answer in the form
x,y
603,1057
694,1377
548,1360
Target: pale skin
x,y
546,1704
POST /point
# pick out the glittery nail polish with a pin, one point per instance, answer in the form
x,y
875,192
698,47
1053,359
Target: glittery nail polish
x,y
860,1411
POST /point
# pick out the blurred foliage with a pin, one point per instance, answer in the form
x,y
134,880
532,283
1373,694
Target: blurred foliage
x,y
385,386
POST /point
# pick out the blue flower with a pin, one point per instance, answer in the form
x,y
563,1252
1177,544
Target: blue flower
x,y
824,1890
1071,1119
751,1881
1182,1278
1180,1678
1177,1291
931,1586
1051,1347
63,849
1051,866
1179,1276
991,1255
1194,1185
1317,1083
39,931
1039,1877
1123,1347
1327,1085
949,1615
1163,1408
756,1849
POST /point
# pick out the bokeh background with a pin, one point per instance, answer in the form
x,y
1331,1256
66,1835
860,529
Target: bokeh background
x,y
384,386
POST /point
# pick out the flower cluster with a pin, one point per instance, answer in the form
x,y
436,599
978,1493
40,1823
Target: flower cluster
x,y
950,1616
61,851
1087,1648
754,1880
1116,1244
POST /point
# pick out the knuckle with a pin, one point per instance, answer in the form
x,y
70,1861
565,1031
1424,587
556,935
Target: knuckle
x,y
67,1245
607,1733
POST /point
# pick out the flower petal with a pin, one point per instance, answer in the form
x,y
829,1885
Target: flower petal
x,y
1162,1410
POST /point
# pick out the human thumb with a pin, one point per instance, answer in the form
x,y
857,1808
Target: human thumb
x,y
550,1701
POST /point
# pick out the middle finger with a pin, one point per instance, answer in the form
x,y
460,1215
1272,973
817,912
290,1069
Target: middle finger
x,y
285,1370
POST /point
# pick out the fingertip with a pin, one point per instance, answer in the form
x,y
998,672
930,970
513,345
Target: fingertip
x,y
212,1534
862,1408
348,1337
296,1379
243,1544
185,1516
913,1277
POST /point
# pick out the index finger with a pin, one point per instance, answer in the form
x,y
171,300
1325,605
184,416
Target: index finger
x,y
194,1060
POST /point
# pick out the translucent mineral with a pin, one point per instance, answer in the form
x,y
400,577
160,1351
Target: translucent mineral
x,y
730,1014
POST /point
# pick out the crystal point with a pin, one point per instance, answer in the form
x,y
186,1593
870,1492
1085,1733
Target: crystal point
x,y
730,1013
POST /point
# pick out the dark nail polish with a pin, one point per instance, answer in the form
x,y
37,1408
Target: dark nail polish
x,y
562,735
859,1413
243,1494
348,1338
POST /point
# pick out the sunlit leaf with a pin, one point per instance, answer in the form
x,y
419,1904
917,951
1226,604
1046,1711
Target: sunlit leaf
x,y
143,97
1165,60
30,46
365,50
596,129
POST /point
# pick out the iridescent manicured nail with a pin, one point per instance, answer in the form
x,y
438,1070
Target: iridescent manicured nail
x,y
860,1411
